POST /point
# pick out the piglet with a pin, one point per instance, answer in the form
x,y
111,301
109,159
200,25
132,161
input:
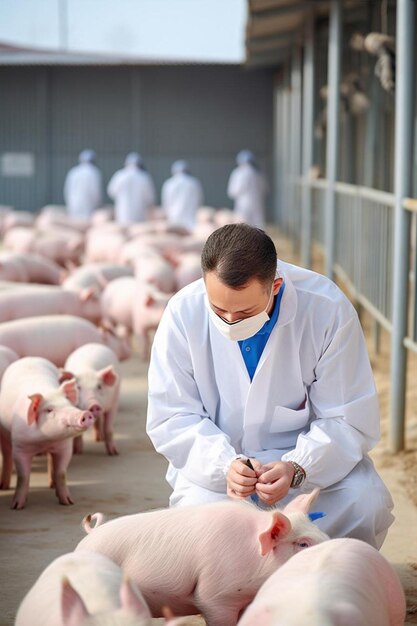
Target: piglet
x,y
342,582
147,308
54,337
97,371
7,357
208,559
83,588
37,415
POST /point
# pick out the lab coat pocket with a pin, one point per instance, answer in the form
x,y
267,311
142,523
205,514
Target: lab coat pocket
x,y
285,419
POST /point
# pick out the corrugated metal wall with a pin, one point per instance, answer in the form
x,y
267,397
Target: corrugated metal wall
x,y
204,114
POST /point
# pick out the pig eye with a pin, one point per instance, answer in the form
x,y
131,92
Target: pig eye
x,y
99,386
49,409
302,544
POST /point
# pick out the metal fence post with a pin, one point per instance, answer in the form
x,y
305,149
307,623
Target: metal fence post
x,y
404,125
332,144
308,139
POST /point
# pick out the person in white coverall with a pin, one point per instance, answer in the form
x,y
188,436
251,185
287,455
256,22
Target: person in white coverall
x,y
266,361
181,196
83,186
132,190
247,187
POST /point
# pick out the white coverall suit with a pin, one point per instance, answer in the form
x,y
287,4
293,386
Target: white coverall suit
x,y
312,400
133,192
247,187
181,196
82,190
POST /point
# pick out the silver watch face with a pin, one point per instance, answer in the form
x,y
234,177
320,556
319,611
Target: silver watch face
x,y
298,479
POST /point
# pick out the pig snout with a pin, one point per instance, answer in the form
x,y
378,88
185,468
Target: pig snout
x,y
85,420
95,409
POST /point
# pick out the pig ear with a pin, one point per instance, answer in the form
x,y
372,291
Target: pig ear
x,y
64,375
69,387
87,294
33,411
108,376
73,609
132,600
302,503
279,527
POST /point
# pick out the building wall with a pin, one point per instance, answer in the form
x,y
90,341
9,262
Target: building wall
x,y
204,114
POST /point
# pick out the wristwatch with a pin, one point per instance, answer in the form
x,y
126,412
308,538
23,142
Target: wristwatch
x,y
299,475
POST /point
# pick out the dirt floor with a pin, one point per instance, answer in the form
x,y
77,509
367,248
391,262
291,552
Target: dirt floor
x,y
134,481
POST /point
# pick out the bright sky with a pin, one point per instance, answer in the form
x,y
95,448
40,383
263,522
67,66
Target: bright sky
x,y
192,30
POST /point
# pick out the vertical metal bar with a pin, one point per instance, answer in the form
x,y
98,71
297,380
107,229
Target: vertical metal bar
x,y
295,144
402,186
308,139
332,145
414,289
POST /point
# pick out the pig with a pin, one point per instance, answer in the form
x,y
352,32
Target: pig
x,y
156,271
37,415
97,371
343,582
104,244
209,559
59,245
95,276
117,301
34,267
13,219
147,308
82,588
7,357
54,337
187,269
19,303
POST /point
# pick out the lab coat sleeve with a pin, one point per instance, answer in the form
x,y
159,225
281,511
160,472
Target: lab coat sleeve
x,y
97,188
177,422
344,400
233,186
150,193
113,185
67,187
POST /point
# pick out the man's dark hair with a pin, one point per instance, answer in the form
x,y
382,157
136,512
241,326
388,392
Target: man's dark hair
x,y
238,253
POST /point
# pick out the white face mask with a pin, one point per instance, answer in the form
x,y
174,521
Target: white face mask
x,y
241,329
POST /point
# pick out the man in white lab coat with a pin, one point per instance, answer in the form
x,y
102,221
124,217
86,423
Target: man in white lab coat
x,y
267,361
83,186
132,190
181,196
247,187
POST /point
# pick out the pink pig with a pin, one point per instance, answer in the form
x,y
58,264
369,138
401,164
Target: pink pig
x,y
96,369
342,582
208,559
37,415
148,306
54,337
117,300
7,357
19,303
83,588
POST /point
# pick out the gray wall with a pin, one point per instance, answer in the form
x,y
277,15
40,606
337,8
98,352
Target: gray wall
x,y
204,114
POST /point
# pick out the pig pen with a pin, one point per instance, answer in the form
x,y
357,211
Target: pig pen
x,y
134,481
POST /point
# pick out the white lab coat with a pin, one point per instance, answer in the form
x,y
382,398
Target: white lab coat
x,y
133,192
312,398
247,187
181,196
82,190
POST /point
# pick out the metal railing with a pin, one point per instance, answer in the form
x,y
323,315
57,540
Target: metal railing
x,y
364,239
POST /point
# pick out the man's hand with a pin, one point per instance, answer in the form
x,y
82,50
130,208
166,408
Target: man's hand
x,y
241,480
274,480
